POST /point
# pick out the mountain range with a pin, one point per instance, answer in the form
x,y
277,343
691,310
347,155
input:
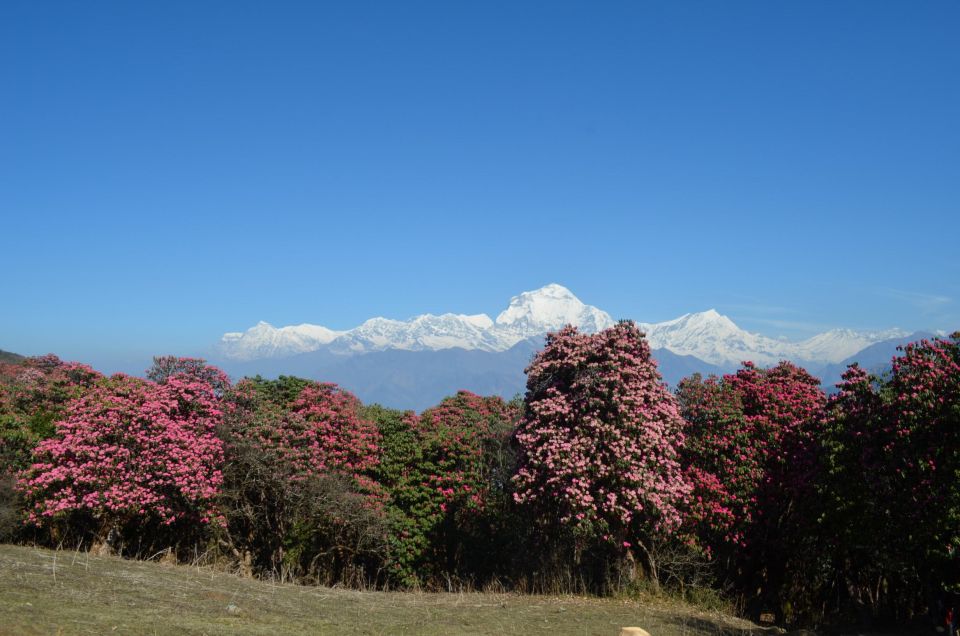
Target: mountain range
x,y
414,363
531,314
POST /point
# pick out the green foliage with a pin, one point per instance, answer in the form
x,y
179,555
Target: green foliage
x,y
889,494
34,394
297,498
8,357
284,390
10,508
446,473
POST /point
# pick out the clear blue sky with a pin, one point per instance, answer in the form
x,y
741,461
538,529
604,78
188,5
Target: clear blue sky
x,y
173,170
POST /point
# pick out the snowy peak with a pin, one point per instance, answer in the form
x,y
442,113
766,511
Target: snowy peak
x,y
548,309
426,332
263,340
839,344
548,303
531,314
707,335
716,339
712,337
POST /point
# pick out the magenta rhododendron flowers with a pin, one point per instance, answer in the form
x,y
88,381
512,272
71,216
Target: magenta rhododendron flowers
x,y
454,434
749,438
599,442
130,448
754,480
320,432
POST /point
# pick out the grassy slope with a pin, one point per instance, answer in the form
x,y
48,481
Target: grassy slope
x,y
47,592
9,357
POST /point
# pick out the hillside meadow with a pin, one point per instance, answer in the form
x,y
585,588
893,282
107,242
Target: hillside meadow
x,y
45,591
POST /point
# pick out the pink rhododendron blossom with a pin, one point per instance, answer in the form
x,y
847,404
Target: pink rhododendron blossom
x,y
129,447
599,441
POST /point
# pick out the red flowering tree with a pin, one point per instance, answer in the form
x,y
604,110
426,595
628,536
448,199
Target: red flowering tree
x,y
855,490
164,367
890,517
301,460
923,436
446,472
723,462
599,443
747,440
128,453
919,446
751,453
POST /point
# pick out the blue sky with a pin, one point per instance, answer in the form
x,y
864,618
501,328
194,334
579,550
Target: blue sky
x,y
174,170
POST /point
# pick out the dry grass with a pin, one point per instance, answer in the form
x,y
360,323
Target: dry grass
x,y
63,592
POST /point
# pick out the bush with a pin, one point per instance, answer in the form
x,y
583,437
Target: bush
x,y
11,508
446,473
299,498
33,395
130,457
599,450
890,464
752,442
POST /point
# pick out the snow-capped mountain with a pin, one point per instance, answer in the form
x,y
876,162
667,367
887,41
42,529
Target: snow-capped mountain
x,y
714,338
839,344
549,308
530,314
263,340
708,335
427,332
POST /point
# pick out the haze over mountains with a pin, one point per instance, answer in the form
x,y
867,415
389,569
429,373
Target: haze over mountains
x,y
414,363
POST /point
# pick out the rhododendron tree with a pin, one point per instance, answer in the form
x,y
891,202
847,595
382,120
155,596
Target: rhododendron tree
x,y
128,453
33,395
164,367
922,445
855,489
889,490
299,476
720,460
751,454
446,472
599,443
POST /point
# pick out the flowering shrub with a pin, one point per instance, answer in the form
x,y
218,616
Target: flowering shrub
x,y
447,468
458,436
854,491
752,448
922,434
748,443
599,441
164,367
301,457
321,430
129,450
917,449
33,395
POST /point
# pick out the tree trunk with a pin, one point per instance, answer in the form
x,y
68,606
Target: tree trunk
x,y
103,543
246,564
653,574
627,569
